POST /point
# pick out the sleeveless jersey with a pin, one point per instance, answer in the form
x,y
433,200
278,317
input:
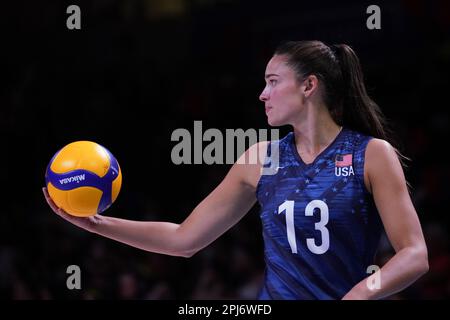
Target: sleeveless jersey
x,y
320,225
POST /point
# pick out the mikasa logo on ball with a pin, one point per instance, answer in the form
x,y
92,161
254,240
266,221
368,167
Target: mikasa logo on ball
x,y
76,179
83,178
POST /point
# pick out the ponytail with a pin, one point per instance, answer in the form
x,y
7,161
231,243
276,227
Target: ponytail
x,y
345,93
359,111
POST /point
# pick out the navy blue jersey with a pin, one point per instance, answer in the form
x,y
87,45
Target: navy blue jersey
x,y
320,225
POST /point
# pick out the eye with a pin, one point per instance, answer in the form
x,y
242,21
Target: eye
x,y
273,82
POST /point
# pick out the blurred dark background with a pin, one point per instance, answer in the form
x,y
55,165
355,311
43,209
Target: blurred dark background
x,y
139,69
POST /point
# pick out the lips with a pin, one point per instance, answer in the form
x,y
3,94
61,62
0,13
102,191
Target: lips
x,y
268,109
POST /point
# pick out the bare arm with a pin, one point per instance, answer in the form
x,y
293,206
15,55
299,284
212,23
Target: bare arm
x,y
218,212
384,177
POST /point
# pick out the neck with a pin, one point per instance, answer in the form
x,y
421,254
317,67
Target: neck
x,y
314,130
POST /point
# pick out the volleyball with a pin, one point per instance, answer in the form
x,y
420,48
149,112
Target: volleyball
x,y
83,178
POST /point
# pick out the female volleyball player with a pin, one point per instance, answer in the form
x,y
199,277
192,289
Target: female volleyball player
x,y
339,182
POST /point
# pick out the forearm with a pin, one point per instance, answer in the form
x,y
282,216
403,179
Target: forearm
x,y
158,237
405,267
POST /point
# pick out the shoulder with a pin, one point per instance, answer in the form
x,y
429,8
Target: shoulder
x,y
379,151
248,166
255,154
259,146
382,162
261,149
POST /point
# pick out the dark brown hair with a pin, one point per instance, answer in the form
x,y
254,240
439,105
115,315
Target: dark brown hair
x,y
339,70
344,94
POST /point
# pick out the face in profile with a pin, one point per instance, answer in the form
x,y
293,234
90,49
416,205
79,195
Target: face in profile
x,y
282,94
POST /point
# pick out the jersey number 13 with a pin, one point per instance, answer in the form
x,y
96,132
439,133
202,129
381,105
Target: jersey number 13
x,y
288,206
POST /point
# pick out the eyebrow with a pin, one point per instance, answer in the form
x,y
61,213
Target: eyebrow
x,y
270,75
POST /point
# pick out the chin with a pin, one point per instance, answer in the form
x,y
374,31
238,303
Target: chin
x,y
275,122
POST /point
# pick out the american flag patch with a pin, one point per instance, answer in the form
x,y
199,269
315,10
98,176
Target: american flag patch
x,y
344,160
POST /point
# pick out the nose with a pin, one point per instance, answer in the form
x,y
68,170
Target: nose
x,y
264,96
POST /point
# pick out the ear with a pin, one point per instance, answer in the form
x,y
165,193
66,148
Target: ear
x,y
310,85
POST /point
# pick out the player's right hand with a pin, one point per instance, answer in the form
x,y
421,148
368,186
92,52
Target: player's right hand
x,y
87,223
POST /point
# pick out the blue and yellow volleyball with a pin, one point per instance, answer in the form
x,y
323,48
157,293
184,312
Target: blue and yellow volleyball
x,y
83,178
